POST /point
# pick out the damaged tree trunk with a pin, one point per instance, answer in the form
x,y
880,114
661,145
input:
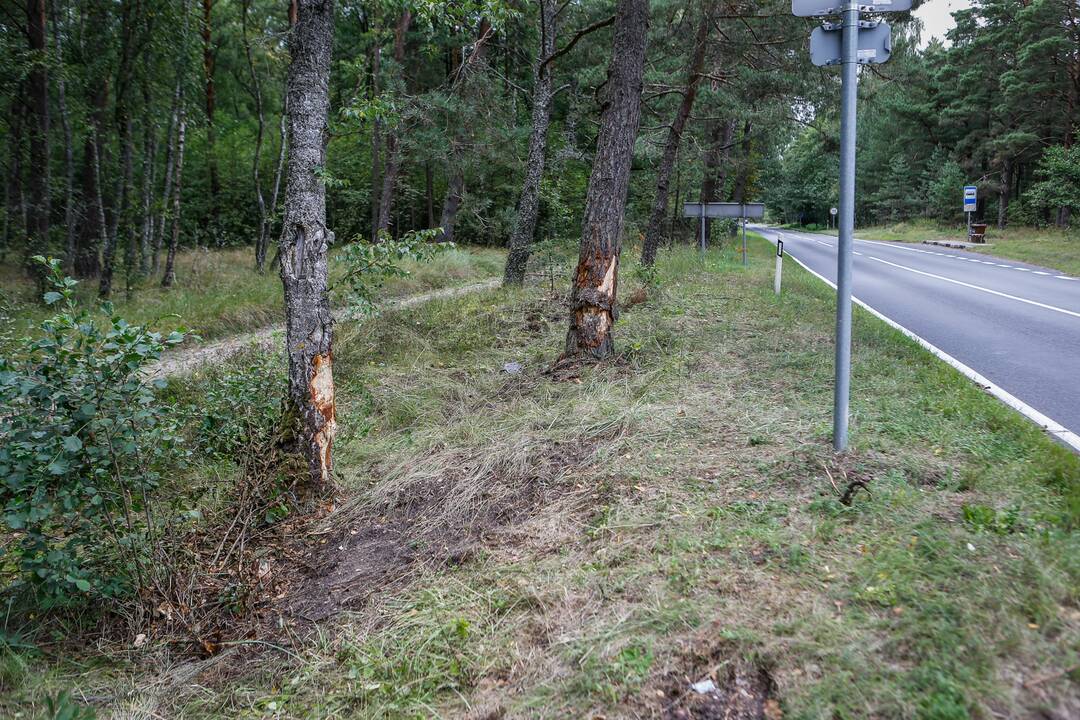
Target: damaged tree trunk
x,y
592,299
667,162
528,204
305,238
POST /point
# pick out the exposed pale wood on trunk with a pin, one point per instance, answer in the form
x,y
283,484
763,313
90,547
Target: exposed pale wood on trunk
x,y
529,201
595,283
305,239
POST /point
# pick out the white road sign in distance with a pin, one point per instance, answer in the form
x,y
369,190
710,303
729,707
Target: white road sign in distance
x,y
819,8
832,211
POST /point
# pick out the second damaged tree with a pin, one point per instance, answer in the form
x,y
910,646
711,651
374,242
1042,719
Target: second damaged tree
x,y
592,301
305,238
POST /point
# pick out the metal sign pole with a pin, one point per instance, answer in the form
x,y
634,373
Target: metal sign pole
x,y
846,223
703,229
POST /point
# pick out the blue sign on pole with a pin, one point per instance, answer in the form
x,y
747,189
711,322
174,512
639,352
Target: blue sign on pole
x,y
971,198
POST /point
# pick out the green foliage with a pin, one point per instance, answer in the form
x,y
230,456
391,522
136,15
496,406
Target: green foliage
x,y
82,443
368,265
1059,180
64,707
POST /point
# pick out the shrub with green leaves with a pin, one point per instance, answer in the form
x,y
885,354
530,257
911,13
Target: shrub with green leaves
x,y
368,265
83,443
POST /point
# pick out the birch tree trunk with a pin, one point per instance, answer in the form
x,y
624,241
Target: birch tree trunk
x,y
170,171
393,140
121,229
593,293
169,277
256,94
655,228
529,202
305,238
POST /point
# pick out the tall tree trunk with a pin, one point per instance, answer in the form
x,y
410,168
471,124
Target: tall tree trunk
x,y
393,140
376,142
92,227
170,171
69,150
148,173
742,177
455,189
39,208
593,310
714,178
309,326
169,276
429,193
1004,191
15,215
209,65
256,94
654,230
122,225
529,201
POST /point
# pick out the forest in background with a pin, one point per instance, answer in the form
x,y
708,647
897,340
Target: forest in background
x,y
133,128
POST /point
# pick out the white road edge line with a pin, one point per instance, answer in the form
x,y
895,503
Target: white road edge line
x,y
1052,427
977,287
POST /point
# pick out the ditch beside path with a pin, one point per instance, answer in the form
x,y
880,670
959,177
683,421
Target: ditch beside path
x,y
187,359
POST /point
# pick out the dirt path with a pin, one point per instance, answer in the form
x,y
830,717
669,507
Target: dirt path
x,y
185,360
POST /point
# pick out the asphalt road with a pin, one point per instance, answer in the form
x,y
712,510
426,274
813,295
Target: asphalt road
x,y
1016,324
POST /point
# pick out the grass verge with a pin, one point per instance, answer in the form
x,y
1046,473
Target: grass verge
x,y
588,544
218,293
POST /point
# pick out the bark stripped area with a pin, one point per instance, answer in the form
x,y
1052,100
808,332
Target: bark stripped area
x,y
592,301
305,240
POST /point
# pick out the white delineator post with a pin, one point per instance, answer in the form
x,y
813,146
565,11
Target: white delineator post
x,y
779,265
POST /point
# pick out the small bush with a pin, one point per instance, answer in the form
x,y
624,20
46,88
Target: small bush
x,y
83,442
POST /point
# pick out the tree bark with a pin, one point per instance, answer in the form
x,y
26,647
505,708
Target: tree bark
x,y
170,171
149,169
376,143
256,94
654,230
121,221
595,282
305,239
15,217
69,150
715,175
209,66
39,207
529,201
169,277
742,177
456,187
393,141
1004,192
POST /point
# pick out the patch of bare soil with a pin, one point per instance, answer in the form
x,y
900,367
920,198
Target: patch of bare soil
x,y
719,688
437,512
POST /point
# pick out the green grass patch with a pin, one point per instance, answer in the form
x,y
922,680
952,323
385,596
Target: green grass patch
x,y
665,515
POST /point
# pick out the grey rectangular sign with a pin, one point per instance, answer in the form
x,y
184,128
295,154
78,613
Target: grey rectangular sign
x,y
818,8
875,44
725,210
